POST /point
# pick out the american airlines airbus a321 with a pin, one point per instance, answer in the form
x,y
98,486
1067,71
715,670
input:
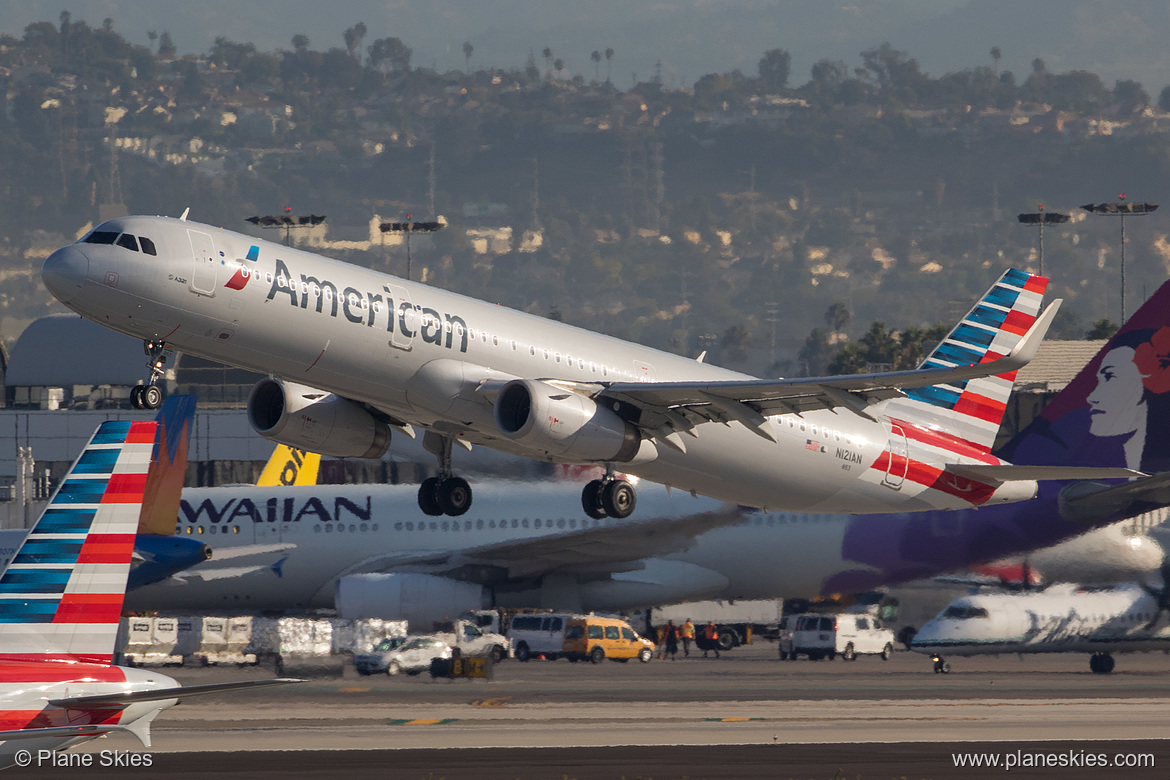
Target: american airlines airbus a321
x,y
354,353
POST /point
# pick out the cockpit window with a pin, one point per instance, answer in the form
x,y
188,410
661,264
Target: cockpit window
x,y
100,237
147,245
127,241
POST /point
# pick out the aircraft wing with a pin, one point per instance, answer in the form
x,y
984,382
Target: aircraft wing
x,y
663,408
605,549
123,699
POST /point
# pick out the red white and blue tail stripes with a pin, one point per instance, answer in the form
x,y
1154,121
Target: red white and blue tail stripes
x,y
61,597
972,411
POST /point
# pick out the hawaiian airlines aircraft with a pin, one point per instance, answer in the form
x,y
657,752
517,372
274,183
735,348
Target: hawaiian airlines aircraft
x,y
532,545
60,602
1099,620
355,354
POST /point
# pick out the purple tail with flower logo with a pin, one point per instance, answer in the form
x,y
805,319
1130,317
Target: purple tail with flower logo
x,y
1114,414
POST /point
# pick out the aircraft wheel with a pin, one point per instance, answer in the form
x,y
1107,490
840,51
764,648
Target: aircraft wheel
x,y
428,497
618,498
454,496
136,396
150,397
591,499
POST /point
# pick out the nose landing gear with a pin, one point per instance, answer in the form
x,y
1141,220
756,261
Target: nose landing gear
x,y
149,396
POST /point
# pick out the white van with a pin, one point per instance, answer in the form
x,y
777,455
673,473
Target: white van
x,y
536,635
820,635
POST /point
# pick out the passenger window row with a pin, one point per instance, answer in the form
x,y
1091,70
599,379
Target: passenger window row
x,y
124,240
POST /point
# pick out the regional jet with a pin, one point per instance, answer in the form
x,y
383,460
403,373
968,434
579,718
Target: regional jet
x,y
353,354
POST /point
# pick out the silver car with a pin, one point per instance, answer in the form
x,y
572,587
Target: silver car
x,y
412,655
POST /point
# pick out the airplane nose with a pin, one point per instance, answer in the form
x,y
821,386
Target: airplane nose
x,y
65,272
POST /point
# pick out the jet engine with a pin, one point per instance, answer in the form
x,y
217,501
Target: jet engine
x,y
314,420
420,599
563,424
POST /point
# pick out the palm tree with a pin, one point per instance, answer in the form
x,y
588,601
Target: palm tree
x,y
996,56
608,59
596,57
547,54
467,50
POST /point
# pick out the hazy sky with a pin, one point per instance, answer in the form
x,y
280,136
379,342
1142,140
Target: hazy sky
x,y
688,37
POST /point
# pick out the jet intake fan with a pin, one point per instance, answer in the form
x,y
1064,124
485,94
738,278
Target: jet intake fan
x,y
316,421
563,424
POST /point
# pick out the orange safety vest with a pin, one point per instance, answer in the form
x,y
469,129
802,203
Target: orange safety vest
x,y
688,630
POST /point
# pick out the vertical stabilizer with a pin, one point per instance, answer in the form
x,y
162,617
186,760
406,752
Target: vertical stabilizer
x,y
168,466
289,467
973,410
1116,411
61,597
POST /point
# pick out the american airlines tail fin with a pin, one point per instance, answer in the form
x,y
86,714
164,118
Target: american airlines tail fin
x,y
61,597
288,466
972,410
1116,411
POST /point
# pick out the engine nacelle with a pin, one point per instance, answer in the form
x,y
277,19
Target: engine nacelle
x,y
563,424
314,420
419,599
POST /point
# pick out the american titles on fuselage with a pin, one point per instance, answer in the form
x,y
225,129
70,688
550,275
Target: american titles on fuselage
x,y
364,307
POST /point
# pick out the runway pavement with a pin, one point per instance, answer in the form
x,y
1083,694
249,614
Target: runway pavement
x,y
746,714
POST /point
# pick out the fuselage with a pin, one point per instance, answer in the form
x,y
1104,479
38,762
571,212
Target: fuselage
x,y
303,539
1060,619
419,354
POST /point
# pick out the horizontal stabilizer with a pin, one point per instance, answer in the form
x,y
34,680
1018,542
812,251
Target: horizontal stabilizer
x,y
1081,500
89,730
1011,472
126,698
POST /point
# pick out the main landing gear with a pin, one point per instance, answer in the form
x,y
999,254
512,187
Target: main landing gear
x,y
149,396
445,494
608,497
940,664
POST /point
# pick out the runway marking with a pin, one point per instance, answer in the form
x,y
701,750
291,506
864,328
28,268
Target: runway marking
x,y
732,720
497,701
422,722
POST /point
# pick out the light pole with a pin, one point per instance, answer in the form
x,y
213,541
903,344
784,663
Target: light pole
x,y
407,228
1121,209
287,222
1041,218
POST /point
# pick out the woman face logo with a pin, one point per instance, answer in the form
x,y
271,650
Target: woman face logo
x,y
1117,405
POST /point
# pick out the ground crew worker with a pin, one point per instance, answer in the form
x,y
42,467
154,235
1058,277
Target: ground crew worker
x,y
688,636
711,637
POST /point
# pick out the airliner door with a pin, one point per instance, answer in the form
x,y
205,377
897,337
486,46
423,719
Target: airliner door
x,y
203,274
405,316
898,463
